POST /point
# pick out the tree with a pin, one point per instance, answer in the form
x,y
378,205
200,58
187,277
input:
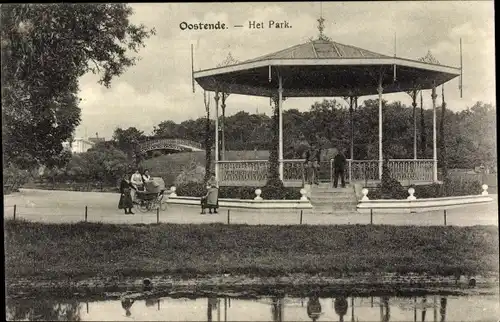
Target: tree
x,y
127,140
166,129
45,50
103,166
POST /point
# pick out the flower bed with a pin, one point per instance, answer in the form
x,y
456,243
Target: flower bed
x,y
194,189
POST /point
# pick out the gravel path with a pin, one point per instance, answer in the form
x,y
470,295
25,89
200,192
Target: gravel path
x,y
69,206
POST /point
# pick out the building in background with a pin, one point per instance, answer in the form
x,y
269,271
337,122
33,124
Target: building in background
x,y
78,145
97,139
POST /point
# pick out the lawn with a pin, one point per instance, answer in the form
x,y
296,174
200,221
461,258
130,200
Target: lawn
x,y
86,250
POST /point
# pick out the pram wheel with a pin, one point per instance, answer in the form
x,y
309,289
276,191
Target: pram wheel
x,y
144,206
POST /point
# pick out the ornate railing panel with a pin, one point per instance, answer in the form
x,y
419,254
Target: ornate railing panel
x,y
401,169
411,170
241,172
361,170
293,170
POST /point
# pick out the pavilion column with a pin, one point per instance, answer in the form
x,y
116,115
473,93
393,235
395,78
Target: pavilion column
x,y
434,133
216,97
380,135
351,102
222,127
414,104
280,114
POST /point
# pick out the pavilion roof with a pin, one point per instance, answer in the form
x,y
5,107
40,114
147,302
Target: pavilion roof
x,y
320,49
322,68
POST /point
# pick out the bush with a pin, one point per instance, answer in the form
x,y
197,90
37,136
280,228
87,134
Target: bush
x,y
14,178
191,172
450,188
194,189
275,190
391,188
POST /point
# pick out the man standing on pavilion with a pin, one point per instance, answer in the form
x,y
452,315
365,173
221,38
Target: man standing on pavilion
x,y
339,166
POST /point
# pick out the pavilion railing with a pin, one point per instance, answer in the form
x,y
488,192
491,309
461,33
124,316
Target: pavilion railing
x,y
411,170
254,172
293,171
361,170
247,172
405,170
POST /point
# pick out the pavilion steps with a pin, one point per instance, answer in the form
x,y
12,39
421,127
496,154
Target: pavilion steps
x,y
328,200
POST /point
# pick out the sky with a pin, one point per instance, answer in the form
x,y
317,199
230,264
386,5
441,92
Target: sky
x,y
158,87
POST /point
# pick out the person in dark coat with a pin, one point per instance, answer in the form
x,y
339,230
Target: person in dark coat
x,y
339,163
210,200
125,195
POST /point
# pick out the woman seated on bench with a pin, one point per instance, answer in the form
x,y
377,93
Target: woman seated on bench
x,y
210,200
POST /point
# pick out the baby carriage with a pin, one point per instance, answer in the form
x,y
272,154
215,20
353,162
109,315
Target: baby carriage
x,y
152,196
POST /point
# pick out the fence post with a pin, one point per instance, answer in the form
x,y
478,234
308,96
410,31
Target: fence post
x,y
15,208
228,216
158,215
86,211
301,216
445,217
371,216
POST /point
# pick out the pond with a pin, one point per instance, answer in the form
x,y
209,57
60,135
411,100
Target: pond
x,y
421,308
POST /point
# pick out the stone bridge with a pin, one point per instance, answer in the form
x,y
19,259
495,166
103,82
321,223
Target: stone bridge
x,y
177,145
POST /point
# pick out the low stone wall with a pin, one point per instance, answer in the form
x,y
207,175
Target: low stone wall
x,y
412,204
257,203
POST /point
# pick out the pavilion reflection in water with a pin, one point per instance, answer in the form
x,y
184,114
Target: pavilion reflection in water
x,y
431,308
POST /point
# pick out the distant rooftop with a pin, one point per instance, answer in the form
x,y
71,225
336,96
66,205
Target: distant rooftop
x,y
96,140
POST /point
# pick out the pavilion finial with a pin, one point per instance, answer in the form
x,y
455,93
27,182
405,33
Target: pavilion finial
x,y
321,25
229,60
429,58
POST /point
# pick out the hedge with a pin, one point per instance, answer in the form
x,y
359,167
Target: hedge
x,y
194,189
451,188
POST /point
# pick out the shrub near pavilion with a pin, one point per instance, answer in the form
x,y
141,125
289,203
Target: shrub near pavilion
x,y
196,189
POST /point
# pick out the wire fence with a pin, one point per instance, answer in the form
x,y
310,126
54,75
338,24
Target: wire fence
x,y
182,214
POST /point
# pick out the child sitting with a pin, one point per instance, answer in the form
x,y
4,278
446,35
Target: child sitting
x,y
210,200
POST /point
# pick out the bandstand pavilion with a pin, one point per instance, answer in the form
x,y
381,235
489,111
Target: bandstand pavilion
x,y
324,68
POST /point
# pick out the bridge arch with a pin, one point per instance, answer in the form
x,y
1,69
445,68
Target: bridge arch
x,y
174,145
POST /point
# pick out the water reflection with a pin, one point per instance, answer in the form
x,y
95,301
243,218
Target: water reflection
x,y
277,309
43,310
314,308
126,305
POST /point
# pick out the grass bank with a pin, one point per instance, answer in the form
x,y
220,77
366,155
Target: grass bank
x,y
85,250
